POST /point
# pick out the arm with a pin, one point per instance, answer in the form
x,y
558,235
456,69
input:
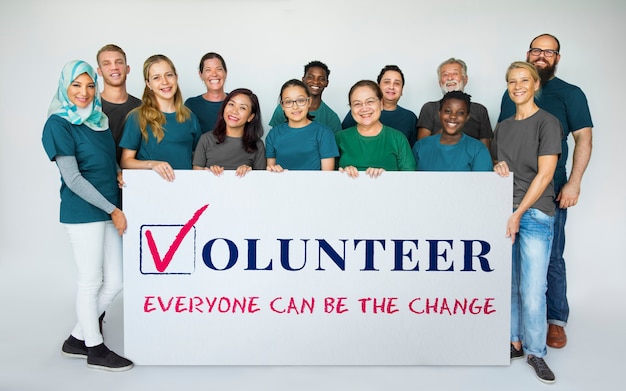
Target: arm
x,y
546,166
568,196
328,164
423,132
129,160
68,167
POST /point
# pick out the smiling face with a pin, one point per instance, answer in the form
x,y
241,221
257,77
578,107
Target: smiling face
x,y
162,81
213,75
453,114
316,80
391,86
296,114
112,68
521,86
546,65
238,111
82,91
365,106
451,78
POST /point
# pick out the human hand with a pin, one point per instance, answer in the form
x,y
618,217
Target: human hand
x,y
374,172
242,170
215,169
119,221
275,168
501,169
164,170
568,196
351,171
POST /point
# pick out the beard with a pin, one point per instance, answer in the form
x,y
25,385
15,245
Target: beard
x,y
455,86
546,73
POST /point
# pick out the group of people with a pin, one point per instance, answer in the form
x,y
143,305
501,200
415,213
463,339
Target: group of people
x,y
92,135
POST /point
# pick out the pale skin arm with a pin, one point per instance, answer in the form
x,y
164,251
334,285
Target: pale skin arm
x,y
568,196
328,164
129,160
352,171
272,166
545,172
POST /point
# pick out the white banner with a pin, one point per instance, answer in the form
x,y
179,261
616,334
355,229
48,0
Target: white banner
x,y
316,268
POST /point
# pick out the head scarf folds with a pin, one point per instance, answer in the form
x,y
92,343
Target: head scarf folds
x,y
63,107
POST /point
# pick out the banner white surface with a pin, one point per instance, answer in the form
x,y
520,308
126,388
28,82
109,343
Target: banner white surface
x,y
315,268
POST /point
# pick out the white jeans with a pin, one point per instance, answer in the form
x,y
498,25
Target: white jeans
x,y
97,249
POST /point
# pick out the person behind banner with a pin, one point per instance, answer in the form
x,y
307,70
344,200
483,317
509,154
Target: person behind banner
x,y
77,137
371,146
529,144
162,133
206,107
300,143
235,143
116,101
452,149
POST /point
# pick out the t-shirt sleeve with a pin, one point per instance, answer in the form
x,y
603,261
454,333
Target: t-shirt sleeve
x,y
131,137
57,139
426,118
578,115
260,161
550,135
406,160
328,145
270,150
482,160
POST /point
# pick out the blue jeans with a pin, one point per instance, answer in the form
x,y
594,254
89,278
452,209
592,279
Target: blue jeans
x,y
558,308
530,259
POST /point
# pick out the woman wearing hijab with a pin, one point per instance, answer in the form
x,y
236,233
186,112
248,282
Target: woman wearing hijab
x,y
77,137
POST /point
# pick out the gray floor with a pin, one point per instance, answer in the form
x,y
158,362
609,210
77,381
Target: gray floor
x,y
37,304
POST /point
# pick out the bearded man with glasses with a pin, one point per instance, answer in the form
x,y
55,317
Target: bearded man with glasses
x,y
568,103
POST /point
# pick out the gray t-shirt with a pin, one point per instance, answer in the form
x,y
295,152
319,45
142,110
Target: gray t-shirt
x,y
519,143
229,154
478,126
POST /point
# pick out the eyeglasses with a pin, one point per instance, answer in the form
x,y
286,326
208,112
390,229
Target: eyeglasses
x,y
357,105
547,52
299,102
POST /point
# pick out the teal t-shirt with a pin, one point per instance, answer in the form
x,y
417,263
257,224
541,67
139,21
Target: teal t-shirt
x,y
468,154
324,115
389,149
176,147
205,111
300,148
95,154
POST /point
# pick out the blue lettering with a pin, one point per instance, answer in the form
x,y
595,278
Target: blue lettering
x,y
435,254
252,256
334,256
469,255
369,252
233,254
399,255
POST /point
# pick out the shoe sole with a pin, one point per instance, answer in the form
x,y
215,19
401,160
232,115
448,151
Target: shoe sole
x,y
104,368
540,379
74,355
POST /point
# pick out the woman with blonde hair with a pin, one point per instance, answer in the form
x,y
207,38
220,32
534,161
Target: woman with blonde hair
x,y
529,144
162,133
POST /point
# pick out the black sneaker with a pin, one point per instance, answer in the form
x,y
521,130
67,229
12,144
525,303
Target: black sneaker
x,y
100,357
542,371
515,354
74,347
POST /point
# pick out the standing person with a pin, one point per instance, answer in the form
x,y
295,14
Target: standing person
x,y
162,133
213,73
452,75
452,149
370,145
528,144
116,102
235,143
569,104
77,137
315,77
391,83
300,143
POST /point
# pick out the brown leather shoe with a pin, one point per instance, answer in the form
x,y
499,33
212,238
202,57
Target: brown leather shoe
x,y
556,336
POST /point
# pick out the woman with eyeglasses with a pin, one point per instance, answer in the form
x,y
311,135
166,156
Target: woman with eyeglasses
x,y
371,146
300,143
235,143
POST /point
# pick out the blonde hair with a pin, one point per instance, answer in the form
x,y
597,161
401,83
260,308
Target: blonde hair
x,y
149,112
529,67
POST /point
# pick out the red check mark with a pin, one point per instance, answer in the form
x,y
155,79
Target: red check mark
x,y
162,264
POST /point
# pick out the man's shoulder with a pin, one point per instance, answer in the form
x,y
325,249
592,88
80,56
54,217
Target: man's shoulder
x,y
559,85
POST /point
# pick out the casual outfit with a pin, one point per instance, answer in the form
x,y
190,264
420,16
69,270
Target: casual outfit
x,y
229,154
300,148
569,104
519,143
117,113
324,115
467,154
205,111
80,142
478,126
176,147
400,119
389,150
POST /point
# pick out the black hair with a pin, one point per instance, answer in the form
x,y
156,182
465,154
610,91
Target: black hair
x,y
460,95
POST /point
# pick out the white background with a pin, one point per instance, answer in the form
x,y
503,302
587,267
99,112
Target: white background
x,y
265,43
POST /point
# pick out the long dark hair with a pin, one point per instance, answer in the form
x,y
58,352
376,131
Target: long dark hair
x,y
252,131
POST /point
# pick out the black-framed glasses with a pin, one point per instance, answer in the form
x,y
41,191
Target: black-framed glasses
x,y
299,102
546,52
